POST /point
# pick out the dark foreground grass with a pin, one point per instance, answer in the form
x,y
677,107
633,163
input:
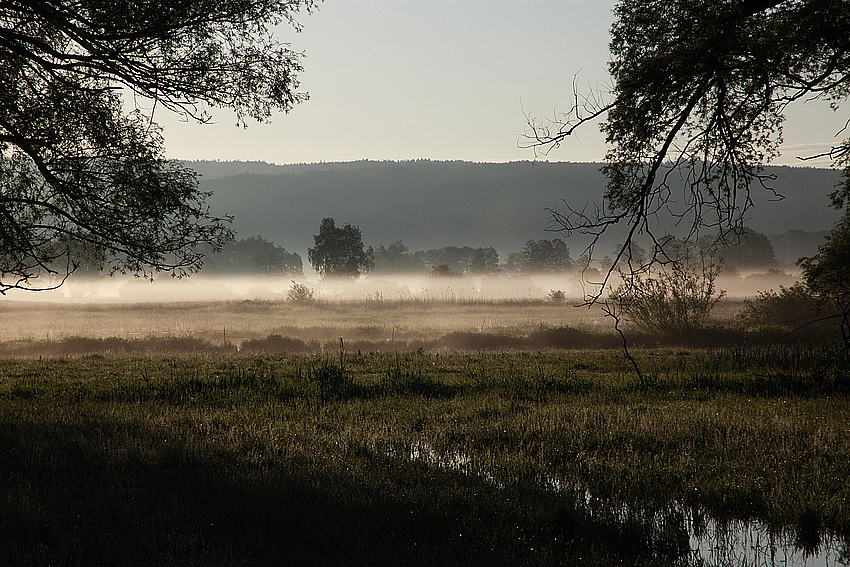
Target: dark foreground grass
x,y
413,459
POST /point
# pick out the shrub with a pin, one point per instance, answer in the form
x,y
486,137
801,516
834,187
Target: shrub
x,y
299,293
827,273
675,300
568,337
556,296
480,341
791,307
274,343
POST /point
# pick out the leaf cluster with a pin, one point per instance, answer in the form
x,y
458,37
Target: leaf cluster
x,y
79,174
696,109
828,273
338,251
700,87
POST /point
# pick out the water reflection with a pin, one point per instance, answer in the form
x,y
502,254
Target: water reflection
x,y
713,542
752,544
674,534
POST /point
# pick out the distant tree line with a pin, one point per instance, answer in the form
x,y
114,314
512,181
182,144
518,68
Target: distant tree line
x,y
339,252
397,259
254,255
749,250
538,256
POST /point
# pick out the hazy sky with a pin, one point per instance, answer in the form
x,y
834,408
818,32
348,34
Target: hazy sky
x,y
442,79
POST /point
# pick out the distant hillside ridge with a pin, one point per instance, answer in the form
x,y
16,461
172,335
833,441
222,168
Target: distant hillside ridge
x,y
431,204
214,169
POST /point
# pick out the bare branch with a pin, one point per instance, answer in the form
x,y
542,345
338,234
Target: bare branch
x,y
694,114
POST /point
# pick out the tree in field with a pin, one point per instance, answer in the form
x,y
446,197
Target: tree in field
x,y
338,252
463,260
396,258
513,262
545,256
256,255
696,108
442,271
82,178
484,261
747,249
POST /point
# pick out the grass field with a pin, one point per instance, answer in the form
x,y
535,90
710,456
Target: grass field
x,y
431,456
260,318
236,321
408,458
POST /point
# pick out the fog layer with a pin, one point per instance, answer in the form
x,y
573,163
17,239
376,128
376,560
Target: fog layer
x,y
414,287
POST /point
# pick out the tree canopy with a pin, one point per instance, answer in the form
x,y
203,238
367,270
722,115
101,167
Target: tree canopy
x,y
696,108
77,171
827,273
338,252
542,256
397,258
463,260
256,255
752,250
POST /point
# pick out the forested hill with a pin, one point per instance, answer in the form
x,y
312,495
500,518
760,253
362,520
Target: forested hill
x,y
431,204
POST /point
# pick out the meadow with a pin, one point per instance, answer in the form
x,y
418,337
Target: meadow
x,y
421,454
236,321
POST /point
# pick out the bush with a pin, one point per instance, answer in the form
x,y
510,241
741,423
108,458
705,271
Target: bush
x,y
274,343
299,293
827,273
556,296
791,307
674,301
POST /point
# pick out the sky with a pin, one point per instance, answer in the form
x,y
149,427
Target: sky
x,y
442,80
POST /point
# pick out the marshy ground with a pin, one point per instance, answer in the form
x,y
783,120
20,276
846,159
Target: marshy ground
x,y
425,454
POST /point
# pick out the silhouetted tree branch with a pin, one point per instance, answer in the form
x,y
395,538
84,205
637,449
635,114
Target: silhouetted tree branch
x,y
696,111
78,173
